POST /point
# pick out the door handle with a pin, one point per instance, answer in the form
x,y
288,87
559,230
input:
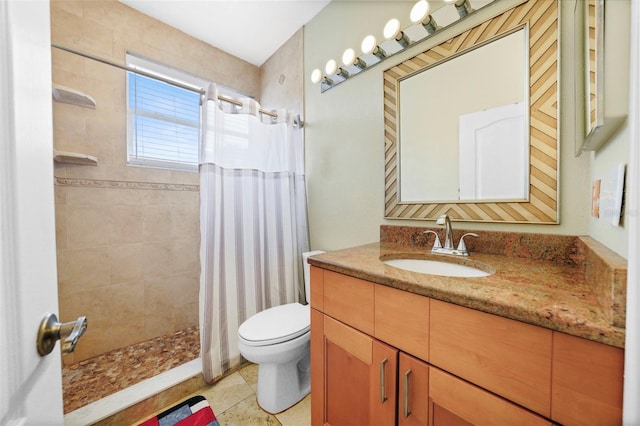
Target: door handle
x,y
407,411
383,396
50,331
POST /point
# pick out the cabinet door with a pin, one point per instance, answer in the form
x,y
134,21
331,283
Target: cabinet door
x,y
454,402
413,391
359,386
587,382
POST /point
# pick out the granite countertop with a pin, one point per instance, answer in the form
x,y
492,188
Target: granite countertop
x,y
549,294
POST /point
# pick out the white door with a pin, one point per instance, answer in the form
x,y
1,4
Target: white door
x,y
31,385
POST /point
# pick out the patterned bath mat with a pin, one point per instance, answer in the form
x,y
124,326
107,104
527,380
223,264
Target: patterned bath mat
x,y
195,411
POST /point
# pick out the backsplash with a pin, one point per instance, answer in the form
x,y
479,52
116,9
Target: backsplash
x,y
563,249
605,271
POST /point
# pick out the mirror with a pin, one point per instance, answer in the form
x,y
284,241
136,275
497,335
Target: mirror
x,y
472,125
594,75
419,198
594,125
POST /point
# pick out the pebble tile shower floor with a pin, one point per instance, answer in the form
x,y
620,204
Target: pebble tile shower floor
x,y
94,378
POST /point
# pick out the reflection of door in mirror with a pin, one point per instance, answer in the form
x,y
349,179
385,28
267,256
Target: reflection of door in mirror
x,y
433,104
493,154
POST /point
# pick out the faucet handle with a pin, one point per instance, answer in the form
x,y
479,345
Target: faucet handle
x,y
462,247
436,243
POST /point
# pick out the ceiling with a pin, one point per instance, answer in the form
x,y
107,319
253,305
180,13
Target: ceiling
x,y
251,30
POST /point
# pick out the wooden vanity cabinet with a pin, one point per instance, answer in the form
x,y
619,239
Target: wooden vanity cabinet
x,y
383,356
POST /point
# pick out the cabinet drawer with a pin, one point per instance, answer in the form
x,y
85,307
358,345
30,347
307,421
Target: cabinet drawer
x,y
349,300
454,401
587,381
402,319
504,356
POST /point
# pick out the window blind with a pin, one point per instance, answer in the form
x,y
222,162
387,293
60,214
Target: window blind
x,y
164,123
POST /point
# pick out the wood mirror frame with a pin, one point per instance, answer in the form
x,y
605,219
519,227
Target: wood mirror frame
x,y
542,206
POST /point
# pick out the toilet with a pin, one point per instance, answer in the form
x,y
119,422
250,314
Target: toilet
x,y
277,339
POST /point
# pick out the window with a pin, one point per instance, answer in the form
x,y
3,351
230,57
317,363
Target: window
x,y
163,119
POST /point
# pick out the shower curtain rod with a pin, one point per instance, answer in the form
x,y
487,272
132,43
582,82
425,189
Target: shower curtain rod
x,y
297,121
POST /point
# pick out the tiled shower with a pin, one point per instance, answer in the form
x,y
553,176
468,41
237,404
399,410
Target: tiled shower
x,y
127,237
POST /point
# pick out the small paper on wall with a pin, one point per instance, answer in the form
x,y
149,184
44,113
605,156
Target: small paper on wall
x,y
611,195
595,199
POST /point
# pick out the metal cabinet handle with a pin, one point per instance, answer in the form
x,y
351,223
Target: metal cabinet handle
x,y
383,396
50,331
407,411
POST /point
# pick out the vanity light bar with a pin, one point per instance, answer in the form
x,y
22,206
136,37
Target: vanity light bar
x,y
372,53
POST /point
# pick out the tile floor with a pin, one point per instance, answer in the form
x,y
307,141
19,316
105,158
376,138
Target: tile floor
x,y
233,400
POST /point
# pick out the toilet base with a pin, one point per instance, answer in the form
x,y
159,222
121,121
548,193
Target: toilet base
x,y
280,386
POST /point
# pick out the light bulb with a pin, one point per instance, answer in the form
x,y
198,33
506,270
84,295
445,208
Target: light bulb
x,y
316,76
331,67
391,29
368,44
420,11
348,57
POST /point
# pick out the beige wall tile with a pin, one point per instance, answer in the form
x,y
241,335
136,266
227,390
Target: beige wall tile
x,y
185,255
61,226
173,198
156,258
96,340
127,304
158,222
185,221
87,227
125,334
70,6
125,224
158,323
158,296
73,31
82,269
125,263
187,316
60,193
85,196
132,197
95,304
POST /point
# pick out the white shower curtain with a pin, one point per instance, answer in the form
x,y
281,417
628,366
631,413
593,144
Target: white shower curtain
x,y
253,222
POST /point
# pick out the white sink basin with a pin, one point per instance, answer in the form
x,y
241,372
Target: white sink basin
x,y
435,267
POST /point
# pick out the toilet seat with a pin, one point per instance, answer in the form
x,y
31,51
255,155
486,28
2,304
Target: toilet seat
x,y
276,325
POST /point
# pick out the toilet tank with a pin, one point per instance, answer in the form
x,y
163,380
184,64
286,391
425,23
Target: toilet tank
x,y
307,272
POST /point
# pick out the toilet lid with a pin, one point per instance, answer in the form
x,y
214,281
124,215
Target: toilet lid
x,y
275,325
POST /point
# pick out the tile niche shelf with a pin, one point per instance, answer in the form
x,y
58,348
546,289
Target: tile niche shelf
x,y
74,97
74,158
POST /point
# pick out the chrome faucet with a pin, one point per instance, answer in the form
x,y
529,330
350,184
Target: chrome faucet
x,y
448,232
448,239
